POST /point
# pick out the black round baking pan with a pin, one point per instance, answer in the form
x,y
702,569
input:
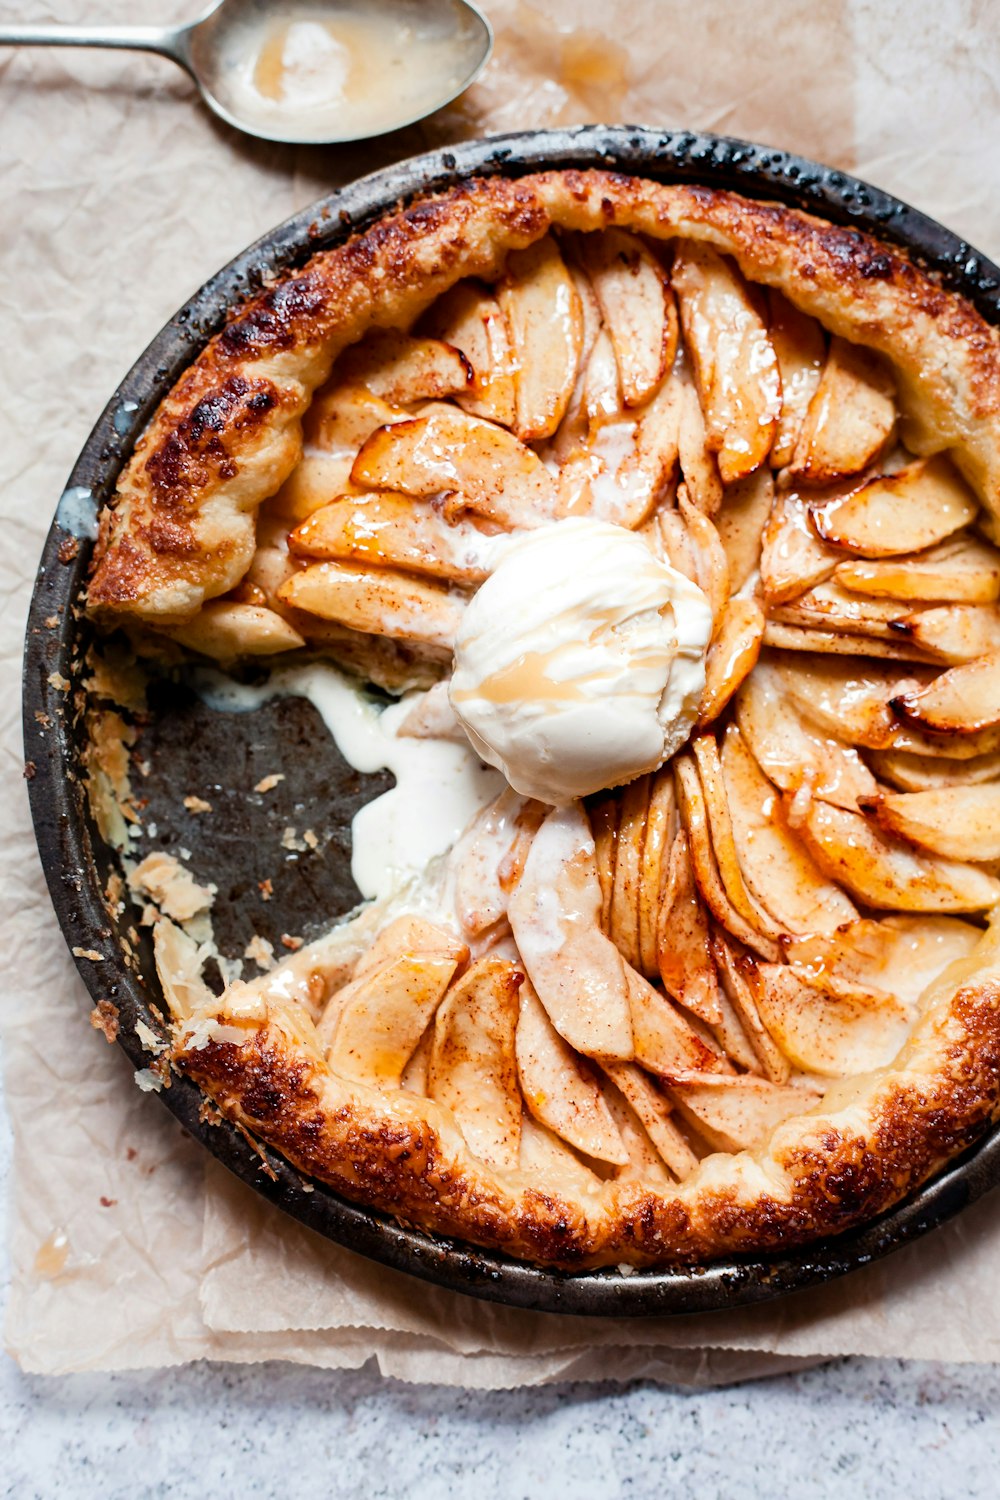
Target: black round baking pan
x,y
185,745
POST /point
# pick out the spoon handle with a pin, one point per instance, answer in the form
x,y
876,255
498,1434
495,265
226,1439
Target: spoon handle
x,y
164,40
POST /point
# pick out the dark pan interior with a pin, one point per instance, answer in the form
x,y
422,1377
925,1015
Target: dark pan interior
x,y
193,751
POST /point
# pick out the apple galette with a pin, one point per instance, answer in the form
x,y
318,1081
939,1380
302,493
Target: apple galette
x,y
676,510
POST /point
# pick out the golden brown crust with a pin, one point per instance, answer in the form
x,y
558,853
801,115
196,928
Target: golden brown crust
x,y
869,1143
226,437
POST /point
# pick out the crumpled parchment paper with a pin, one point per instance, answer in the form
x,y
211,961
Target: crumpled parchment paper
x,y
129,1246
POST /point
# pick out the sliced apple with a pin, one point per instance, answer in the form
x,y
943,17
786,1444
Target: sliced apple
x,y
960,701
601,390
740,976
746,509
654,1112
226,630
560,1089
550,1164
664,1042
313,483
960,570
793,558
732,656
778,870
392,530
790,753
961,822
839,643
884,871
684,957
706,757
469,318
953,632
378,600
473,1069
925,773
604,817
834,1031
624,928
378,1019
645,1164
830,607
800,347
899,513
692,804
897,956
637,306
659,836
850,419
847,699
710,558
735,367
740,1113
577,972
403,369
342,416
698,462
545,323
412,935
482,467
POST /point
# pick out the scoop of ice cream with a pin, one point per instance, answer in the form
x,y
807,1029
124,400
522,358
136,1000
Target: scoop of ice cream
x,y
580,662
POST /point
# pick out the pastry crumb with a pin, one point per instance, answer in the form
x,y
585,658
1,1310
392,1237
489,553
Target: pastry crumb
x,y
260,951
50,622
107,1202
291,841
197,805
268,783
174,889
310,838
58,681
29,770
91,953
266,889
294,943
148,1081
104,1018
42,719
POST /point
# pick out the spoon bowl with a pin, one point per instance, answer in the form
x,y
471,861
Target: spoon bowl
x,y
317,73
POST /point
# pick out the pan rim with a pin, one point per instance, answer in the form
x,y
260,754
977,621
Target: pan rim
x,y
63,838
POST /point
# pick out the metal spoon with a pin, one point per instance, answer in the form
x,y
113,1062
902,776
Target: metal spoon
x,y
403,59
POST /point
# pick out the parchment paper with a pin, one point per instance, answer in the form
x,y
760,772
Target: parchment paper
x,y
120,195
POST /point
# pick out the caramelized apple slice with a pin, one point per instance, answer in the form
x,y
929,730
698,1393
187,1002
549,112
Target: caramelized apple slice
x,y
624,928
469,318
226,630
734,363
472,1068
313,483
342,416
847,699
740,976
645,1164
706,756
559,1088
412,935
961,822
659,835
827,1029
829,607
577,972
377,600
664,1042
711,563
953,632
654,1112
550,1164
746,509
777,869
380,1017
545,322
637,306
626,468
483,466
732,656
790,753
886,872
850,419
801,352
925,773
604,817
961,570
740,1113
896,955
684,957
899,513
698,463
692,804
840,643
793,558
392,530
403,369
960,701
